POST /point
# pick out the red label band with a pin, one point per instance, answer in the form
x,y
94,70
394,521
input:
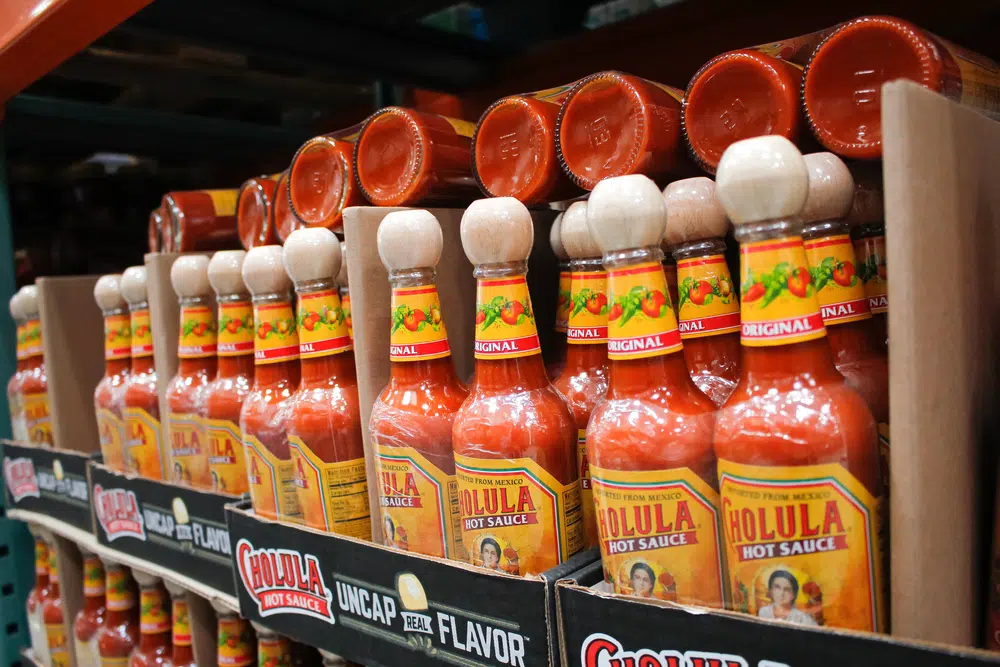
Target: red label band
x,y
236,348
655,343
330,345
117,352
277,353
717,324
879,304
845,310
142,350
651,543
196,350
779,329
751,552
589,334
502,348
709,261
418,350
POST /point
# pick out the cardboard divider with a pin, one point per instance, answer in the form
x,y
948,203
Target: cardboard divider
x,y
52,481
164,318
69,560
204,629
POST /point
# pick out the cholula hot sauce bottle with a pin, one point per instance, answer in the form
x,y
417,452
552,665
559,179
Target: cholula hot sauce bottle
x,y
119,634
34,382
237,643
797,447
708,309
514,437
109,395
36,627
181,650
411,422
14,399
53,616
91,617
866,219
154,623
142,403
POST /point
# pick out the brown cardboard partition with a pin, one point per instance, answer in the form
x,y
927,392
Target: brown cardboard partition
x,y
164,318
204,629
69,560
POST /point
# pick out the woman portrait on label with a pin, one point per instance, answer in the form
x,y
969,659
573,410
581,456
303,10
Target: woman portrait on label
x,y
394,538
641,579
489,555
783,589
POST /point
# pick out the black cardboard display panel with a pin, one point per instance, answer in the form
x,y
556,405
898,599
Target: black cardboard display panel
x,y
48,481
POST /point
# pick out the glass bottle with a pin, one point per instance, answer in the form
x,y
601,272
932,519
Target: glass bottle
x,y
321,179
34,382
109,395
253,211
201,220
91,617
119,634
154,623
142,403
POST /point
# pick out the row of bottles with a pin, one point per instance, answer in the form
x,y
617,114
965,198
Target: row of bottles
x,y
27,389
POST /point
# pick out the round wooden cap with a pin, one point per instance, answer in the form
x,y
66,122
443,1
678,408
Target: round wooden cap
x,y
133,284
409,240
189,276
28,303
693,212
108,292
626,212
174,589
225,272
576,236
867,206
341,278
264,271
555,239
144,578
16,311
831,188
763,178
312,253
497,230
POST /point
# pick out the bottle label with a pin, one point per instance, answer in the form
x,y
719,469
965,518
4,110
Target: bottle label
x,y
188,450
779,304
111,429
588,315
234,642
463,128
659,534
505,322
142,448
586,491
345,305
198,336
670,274
277,338
29,339
115,662
93,577
272,483
419,504
223,201
980,77
181,622
53,566
418,331
119,593
802,545
870,252
41,559
795,50
236,330
58,645
333,496
117,337
226,459
87,654
322,327
839,289
640,320
707,303
564,302
37,418
154,618
142,334
273,652
516,517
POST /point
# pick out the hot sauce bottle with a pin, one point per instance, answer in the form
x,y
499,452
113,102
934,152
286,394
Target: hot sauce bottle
x,y
405,157
651,439
37,596
670,273
155,230
196,349
273,650
53,618
34,382
141,401
797,447
345,290
119,634
15,402
583,381
253,211
284,219
514,437
182,653
154,623
411,421
868,234
554,365
842,87
201,220
237,645
267,408
89,619
324,424
321,179
225,395
707,308
109,395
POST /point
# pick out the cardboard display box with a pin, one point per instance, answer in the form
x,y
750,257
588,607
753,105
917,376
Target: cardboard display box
x,y
164,319
49,481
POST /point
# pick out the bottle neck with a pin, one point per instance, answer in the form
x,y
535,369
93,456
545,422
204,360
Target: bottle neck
x,y
114,367
33,362
587,354
142,365
329,369
240,365
114,617
279,373
585,357
93,603
699,249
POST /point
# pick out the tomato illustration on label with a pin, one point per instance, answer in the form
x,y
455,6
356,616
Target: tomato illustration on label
x,y
117,337
198,333
418,330
181,633
236,328
707,303
322,325
277,337
839,289
870,252
565,301
589,308
505,322
142,333
235,647
641,322
29,339
153,615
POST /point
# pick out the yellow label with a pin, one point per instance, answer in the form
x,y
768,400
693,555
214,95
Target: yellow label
x,y
590,536
418,331
41,558
277,338
235,636
115,662
154,618
675,93
980,77
333,496
321,324
142,446
670,273
272,482
223,201
516,517
53,566
802,545
462,127
226,460
419,504
345,304
505,322
142,334
706,299
117,337
29,339
188,450
58,645
111,429
236,329
588,315
640,320
274,651
870,252
181,634
839,289
660,535
119,593
93,577
779,303
564,302
37,418
198,334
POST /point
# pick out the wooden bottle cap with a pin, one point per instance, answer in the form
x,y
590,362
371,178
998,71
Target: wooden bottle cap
x,y
410,240
225,272
341,278
133,284
555,238
189,276
175,590
16,311
693,212
312,253
264,272
28,302
576,236
831,188
108,292
763,178
868,205
497,230
145,579
626,212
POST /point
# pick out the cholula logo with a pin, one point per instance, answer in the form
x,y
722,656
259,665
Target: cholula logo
x,y
283,581
20,476
600,650
118,513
